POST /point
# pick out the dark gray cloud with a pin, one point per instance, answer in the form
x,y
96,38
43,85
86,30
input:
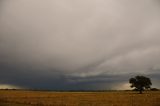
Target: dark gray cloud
x,y
91,44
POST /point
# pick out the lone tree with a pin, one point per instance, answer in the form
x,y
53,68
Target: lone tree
x,y
140,83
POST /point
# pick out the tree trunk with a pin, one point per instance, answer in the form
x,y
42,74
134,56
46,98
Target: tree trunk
x,y
140,91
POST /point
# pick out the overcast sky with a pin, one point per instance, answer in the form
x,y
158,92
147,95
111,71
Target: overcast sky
x,y
78,44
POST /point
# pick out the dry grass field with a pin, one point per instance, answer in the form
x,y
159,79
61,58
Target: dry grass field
x,y
112,98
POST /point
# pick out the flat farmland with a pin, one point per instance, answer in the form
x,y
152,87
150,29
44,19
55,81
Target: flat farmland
x,y
48,98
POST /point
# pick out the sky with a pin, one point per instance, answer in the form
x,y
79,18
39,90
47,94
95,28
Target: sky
x,y
78,44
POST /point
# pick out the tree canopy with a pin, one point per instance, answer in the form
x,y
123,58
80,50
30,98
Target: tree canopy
x,y
140,83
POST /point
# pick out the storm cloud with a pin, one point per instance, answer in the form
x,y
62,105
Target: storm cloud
x,y
87,44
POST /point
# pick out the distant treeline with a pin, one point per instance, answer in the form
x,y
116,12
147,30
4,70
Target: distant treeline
x,y
152,89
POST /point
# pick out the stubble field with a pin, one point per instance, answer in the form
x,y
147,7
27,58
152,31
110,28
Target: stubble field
x,y
46,98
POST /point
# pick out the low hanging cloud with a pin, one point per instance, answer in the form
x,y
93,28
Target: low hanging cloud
x,y
91,44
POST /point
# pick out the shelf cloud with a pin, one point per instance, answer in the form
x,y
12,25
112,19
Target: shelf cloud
x,y
87,44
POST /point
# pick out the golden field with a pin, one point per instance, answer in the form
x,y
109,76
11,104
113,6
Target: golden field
x,y
48,98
